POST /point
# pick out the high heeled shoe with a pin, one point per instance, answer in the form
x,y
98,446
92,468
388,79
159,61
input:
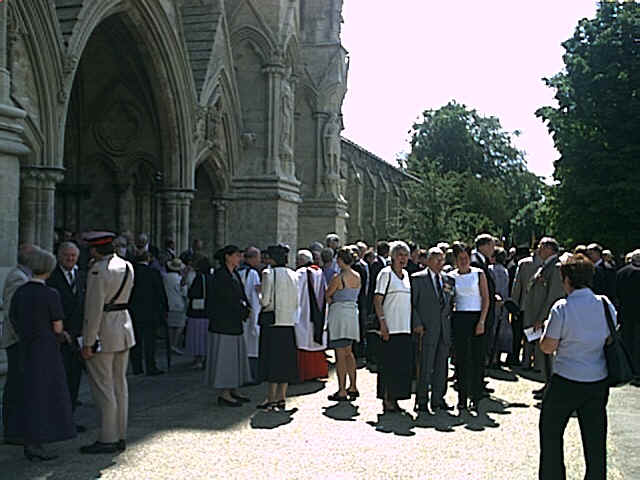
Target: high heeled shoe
x,y
37,454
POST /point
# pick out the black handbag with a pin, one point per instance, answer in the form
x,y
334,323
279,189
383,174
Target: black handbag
x,y
268,319
373,322
618,360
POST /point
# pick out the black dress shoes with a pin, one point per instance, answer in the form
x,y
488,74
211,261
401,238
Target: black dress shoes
x,y
442,406
37,454
154,372
81,428
420,407
223,402
100,447
240,398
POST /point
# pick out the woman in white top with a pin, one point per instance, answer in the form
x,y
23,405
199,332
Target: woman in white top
x,y
277,363
392,302
176,297
471,305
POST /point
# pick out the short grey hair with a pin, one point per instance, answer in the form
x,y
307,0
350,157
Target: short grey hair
x,y
398,247
68,246
304,257
332,237
551,243
433,251
635,256
326,254
42,262
25,252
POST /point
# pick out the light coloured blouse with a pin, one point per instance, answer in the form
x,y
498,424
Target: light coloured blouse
x,y
468,297
286,295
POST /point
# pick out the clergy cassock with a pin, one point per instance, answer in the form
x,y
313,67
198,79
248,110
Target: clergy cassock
x,y
251,281
311,360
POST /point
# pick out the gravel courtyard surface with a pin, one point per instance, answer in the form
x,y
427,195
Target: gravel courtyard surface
x,y
177,431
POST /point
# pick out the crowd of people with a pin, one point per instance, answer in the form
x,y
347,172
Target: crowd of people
x,y
247,317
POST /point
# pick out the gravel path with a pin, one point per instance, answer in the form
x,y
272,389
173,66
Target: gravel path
x,y
177,431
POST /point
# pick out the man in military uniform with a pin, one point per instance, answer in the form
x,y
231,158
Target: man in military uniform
x,y
107,337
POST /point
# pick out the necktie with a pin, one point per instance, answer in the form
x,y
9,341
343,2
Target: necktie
x,y
72,281
440,293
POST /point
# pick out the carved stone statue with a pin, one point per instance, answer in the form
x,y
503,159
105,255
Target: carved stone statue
x,y
332,145
286,149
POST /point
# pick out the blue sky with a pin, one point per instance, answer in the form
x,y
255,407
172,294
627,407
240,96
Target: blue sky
x,y
410,55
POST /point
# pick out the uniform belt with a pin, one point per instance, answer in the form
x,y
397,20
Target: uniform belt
x,y
116,307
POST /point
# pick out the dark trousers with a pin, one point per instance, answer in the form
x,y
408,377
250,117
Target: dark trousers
x,y
470,355
359,348
72,362
631,337
589,400
373,347
516,330
145,343
12,396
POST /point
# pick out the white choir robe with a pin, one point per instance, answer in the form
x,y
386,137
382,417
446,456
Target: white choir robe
x,y
304,327
251,281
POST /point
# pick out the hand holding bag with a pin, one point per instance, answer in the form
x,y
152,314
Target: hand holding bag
x,y
618,360
268,319
199,303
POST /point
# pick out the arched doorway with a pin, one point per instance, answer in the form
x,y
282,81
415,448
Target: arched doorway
x,y
203,212
114,147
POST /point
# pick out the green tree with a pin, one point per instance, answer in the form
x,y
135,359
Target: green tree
x,y
596,129
473,178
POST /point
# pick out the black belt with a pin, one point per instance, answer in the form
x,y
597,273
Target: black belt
x,y
116,307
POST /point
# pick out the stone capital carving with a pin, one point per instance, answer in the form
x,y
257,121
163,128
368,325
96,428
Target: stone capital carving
x,y
248,139
43,177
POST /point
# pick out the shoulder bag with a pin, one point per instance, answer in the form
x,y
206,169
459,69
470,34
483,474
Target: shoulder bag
x,y
618,360
199,303
268,319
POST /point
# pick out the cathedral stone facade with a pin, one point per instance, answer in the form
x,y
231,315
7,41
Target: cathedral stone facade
x,y
211,119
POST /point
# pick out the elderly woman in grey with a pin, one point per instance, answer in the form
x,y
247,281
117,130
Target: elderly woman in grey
x,y
392,302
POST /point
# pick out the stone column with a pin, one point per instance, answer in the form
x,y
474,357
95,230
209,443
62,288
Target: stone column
x,y
320,119
175,213
126,208
37,204
275,72
221,223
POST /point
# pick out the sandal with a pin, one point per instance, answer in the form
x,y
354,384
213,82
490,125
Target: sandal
x,y
281,405
353,394
337,398
240,398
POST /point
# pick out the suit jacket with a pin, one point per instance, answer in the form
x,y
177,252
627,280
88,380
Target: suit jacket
x,y
72,303
17,277
478,262
374,269
604,281
148,303
527,268
628,290
544,289
363,295
425,306
227,309
114,329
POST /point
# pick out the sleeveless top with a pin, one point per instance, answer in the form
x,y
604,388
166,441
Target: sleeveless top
x,y
467,297
346,294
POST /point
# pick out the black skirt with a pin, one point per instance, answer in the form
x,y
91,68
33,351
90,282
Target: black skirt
x,y
278,357
395,367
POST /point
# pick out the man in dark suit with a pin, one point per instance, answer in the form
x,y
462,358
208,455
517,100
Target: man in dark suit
x,y
70,283
628,287
431,296
148,307
604,277
380,261
485,246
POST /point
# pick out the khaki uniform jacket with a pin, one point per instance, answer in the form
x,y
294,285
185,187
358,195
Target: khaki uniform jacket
x,y
545,288
527,268
114,329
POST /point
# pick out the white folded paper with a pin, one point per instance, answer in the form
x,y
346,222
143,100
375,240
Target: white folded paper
x,y
532,335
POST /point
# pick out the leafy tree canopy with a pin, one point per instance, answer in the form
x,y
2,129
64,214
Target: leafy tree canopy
x,y
474,178
596,129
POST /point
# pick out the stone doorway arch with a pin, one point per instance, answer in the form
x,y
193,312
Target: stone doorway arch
x,y
124,158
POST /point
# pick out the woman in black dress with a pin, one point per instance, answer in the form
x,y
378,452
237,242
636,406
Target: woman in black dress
x,y
46,412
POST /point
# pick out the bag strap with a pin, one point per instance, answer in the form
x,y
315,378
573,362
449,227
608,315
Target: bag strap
x,y
607,314
275,276
124,282
386,290
204,287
